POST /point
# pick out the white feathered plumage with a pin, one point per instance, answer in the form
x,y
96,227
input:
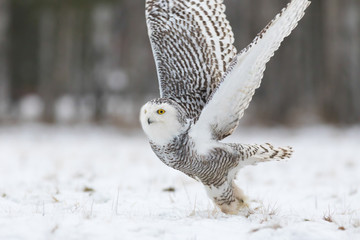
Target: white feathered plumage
x,y
205,87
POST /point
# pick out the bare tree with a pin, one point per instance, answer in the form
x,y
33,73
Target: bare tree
x,y
3,57
102,57
341,86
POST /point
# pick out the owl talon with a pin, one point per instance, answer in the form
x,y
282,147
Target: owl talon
x,y
238,206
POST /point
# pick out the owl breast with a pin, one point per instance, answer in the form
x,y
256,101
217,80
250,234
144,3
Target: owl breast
x,y
181,155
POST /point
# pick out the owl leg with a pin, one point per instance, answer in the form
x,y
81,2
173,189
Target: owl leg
x,y
253,154
229,198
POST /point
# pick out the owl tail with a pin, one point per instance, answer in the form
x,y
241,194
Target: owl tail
x,y
269,152
251,154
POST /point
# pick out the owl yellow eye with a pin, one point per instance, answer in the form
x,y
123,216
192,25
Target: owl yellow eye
x,y
160,111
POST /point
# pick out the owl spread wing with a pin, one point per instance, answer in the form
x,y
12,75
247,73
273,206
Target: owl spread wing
x,y
221,115
192,43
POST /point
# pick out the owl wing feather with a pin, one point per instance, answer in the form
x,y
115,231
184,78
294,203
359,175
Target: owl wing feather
x,y
192,43
221,115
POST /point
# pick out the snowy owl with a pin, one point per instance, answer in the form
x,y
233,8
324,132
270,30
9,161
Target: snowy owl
x,y
205,87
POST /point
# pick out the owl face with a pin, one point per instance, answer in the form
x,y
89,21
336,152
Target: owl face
x,y
160,121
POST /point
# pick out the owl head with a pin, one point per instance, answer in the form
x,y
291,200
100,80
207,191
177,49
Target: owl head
x,y
162,119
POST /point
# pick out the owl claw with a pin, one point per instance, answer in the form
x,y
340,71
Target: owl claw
x,y
237,207
240,204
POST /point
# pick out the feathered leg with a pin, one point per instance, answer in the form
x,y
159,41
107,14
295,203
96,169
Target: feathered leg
x,y
228,197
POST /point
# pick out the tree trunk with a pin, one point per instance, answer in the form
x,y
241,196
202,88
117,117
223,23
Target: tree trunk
x,y
55,56
341,86
4,82
102,56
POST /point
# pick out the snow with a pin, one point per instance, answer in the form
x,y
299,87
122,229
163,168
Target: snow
x,y
88,182
65,109
31,108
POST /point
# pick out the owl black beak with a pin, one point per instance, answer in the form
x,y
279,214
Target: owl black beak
x,y
149,121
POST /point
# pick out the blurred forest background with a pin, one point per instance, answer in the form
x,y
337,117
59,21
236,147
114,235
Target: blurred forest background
x,y
73,61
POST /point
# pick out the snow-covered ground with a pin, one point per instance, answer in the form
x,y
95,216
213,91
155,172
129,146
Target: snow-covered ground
x,y
103,183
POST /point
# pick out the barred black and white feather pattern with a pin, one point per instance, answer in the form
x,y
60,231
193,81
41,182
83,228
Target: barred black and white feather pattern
x,y
192,42
205,87
219,118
